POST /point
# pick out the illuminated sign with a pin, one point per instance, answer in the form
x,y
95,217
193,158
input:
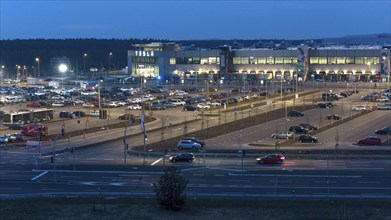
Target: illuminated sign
x,y
144,53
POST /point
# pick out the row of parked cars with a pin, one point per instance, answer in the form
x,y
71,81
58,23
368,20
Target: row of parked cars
x,y
9,138
267,159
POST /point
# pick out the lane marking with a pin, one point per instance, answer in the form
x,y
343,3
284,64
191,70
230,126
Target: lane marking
x,y
35,178
157,161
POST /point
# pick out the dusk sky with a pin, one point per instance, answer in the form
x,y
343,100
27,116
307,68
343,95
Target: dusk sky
x,y
181,20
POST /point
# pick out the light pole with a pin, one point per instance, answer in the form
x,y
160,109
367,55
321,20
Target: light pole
x,y
84,63
39,72
2,73
110,54
63,68
281,86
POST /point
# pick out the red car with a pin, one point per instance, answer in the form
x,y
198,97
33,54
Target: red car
x,y
370,140
271,158
308,126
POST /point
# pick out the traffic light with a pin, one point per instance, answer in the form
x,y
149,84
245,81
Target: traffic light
x,y
102,114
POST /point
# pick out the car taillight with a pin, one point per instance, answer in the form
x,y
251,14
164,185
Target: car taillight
x,y
282,158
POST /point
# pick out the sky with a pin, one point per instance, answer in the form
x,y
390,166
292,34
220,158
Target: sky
x,y
192,20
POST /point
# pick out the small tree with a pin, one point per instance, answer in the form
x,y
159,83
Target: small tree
x,y
170,190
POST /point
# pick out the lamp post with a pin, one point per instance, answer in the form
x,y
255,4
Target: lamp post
x,y
281,86
39,72
110,54
84,63
63,68
24,71
2,73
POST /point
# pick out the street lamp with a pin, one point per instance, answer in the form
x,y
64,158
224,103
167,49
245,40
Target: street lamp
x,y
2,73
37,60
63,68
84,62
110,54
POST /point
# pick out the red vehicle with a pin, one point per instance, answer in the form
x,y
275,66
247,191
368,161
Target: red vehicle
x,y
34,105
308,126
34,129
271,158
370,140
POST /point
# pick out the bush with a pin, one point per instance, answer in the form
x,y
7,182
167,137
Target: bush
x,y
170,190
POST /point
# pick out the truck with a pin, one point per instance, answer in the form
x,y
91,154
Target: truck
x,y
34,129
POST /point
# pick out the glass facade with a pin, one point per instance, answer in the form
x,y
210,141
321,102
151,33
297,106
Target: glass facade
x,y
194,60
344,60
264,60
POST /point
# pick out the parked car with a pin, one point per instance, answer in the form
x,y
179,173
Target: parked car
x,y
384,107
58,97
370,140
308,126
298,129
201,142
15,126
189,108
58,104
295,113
271,158
135,107
34,105
283,135
64,114
308,138
333,117
187,157
3,140
88,105
188,144
385,130
359,108
323,105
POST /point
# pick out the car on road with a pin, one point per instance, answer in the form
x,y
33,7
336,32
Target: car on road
x,y
308,138
385,130
64,114
188,144
384,107
187,157
203,106
308,126
382,99
333,117
283,135
189,108
135,107
323,105
359,108
295,113
271,158
298,129
201,142
79,113
370,140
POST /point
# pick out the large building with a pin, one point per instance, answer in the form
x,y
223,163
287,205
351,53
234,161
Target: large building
x,y
166,61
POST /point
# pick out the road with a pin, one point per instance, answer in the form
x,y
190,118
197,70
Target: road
x,y
300,178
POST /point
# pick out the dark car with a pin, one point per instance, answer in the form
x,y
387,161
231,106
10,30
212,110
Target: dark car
x,y
126,117
15,126
271,158
79,113
385,130
308,126
370,140
308,138
333,117
187,157
66,115
189,108
298,129
295,113
323,105
195,140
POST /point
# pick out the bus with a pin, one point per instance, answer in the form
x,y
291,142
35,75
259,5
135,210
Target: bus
x,y
28,116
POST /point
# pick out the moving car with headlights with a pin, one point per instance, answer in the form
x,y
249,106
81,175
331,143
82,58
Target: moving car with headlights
x,y
306,138
385,130
333,117
283,135
271,158
187,157
370,140
295,113
188,144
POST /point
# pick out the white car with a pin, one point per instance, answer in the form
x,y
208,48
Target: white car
x,y
88,105
58,97
203,106
181,93
177,102
213,103
135,107
382,99
58,104
283,135
89,92
78,101
359,108
113,104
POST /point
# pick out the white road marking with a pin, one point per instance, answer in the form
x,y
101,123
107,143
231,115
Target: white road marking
x,y
157,161
35,178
